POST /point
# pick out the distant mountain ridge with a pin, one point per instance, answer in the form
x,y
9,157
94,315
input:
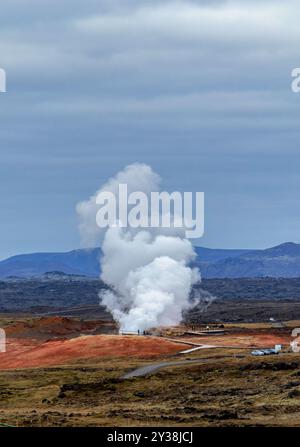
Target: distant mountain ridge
x,y
76,262
280,261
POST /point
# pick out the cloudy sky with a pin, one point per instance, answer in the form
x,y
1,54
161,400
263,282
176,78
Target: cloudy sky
x,y
201,90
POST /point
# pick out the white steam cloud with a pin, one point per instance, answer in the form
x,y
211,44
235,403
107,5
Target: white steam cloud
x,y
138,177
148,274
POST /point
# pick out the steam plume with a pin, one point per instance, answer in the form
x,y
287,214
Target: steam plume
x,y
149,274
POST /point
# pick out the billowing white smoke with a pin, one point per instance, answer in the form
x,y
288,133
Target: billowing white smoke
x,y
148,274
150,277
138,177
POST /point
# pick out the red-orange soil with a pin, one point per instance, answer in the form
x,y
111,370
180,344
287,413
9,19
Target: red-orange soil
x,y
49,327
58,341
23,354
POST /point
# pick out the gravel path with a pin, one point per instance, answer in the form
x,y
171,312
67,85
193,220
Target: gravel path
x,y
149,369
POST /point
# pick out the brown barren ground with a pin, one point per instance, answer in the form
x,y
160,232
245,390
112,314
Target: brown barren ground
x,y
244,340
76,380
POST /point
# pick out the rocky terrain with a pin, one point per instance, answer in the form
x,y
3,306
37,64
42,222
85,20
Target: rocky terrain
x,y
245,299
51,291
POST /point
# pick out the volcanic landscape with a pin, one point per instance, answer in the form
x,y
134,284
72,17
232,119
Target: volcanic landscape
x,y
67,365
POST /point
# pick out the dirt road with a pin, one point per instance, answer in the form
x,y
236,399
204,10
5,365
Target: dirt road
x,y
149,369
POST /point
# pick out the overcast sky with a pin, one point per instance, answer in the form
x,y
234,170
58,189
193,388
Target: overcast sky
x,y
200,90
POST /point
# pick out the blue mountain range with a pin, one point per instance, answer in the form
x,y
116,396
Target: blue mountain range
x,y
280,261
